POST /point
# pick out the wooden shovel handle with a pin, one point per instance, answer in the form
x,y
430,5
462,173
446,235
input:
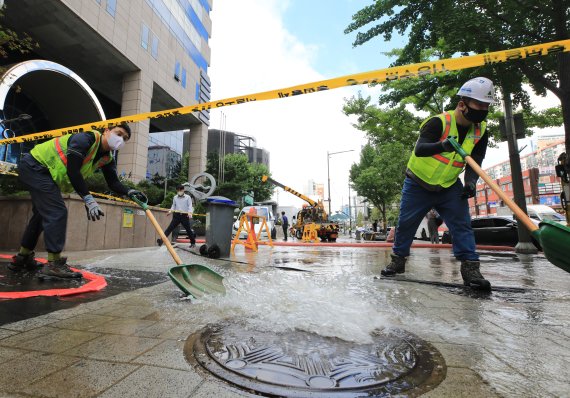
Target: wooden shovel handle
x,y
163,237
521,215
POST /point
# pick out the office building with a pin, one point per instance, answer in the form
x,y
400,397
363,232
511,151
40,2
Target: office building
x,y
101,59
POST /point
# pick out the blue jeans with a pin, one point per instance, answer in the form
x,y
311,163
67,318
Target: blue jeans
x,y
417,201
49,213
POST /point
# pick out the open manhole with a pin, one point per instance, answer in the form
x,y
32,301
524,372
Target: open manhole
x,y
302,364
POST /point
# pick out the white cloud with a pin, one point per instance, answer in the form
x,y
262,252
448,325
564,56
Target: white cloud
x,y
252,52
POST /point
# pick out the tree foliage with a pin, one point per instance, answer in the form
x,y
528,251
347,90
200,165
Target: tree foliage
x,y
12,41
474,26
240,177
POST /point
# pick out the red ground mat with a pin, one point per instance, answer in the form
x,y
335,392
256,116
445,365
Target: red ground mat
x,y
94,283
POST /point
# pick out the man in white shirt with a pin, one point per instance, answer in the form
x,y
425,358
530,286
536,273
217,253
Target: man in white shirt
x,y
183,209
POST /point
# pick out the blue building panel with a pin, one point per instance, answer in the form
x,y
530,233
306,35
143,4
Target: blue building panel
x,y
160,8
193,17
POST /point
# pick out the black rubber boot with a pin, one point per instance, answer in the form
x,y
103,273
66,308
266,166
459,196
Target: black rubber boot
x,y
24,263
472,276
159,242
396,266
58,269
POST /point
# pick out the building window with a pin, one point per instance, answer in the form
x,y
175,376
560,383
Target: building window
x,y
183,80
111,7
177,71
144,36
154,48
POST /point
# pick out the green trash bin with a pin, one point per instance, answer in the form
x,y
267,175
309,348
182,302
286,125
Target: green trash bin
x,y
219,221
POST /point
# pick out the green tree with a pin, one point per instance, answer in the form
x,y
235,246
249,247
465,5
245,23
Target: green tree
x,y
476,26
12,41
240,177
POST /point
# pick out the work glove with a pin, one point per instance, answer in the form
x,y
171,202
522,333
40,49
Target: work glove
x,y
447,147
138,194
94,212
469,190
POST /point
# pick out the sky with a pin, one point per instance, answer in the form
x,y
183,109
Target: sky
x,y
260,45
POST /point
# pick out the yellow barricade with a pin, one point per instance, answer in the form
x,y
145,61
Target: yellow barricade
x,y
310,233
253,240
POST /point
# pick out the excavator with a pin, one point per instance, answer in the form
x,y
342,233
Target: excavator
x,y
313,213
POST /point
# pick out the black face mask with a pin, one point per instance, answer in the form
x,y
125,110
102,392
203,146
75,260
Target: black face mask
x,y
475,115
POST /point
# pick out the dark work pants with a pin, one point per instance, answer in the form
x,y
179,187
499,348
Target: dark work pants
x,y
285,228
49,213
179,218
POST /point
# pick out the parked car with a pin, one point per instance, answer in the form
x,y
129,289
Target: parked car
x,y
264,211
493,230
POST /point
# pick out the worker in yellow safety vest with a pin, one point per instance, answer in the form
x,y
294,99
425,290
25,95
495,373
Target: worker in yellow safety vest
x,y
432,179
58,166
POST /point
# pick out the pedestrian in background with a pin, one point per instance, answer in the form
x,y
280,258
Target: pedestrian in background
x,y
58,166
432,179
182,209
284,225
432,221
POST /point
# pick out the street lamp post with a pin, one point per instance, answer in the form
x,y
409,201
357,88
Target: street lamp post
x,y
329,154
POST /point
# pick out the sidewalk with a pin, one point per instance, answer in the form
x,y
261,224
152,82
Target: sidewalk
x,y
512,343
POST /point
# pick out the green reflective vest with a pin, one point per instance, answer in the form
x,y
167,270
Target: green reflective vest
x,y
444,168
53,155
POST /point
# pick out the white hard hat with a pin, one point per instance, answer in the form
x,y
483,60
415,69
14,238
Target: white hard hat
x,y
479,88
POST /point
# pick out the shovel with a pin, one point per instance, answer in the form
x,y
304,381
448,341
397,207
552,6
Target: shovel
x,y
553,237
194,279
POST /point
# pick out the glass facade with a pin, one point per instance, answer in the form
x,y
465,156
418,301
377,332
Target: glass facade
x,y
171,139
144,36
111,7
184,19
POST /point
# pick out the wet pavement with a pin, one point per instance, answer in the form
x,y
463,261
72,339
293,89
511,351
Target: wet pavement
x,y
511,342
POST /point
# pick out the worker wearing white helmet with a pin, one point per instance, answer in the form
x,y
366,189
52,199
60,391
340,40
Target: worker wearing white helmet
x,y
432,179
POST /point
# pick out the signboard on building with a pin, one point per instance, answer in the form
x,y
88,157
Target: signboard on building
x,y
128,218
550,200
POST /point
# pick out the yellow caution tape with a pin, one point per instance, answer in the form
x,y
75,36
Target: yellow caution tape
x,y
378,76
101,195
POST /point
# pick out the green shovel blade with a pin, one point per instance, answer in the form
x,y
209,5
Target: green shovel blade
x,y
555,241
197,280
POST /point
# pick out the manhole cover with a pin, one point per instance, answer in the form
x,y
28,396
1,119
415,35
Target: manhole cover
x,y
301,364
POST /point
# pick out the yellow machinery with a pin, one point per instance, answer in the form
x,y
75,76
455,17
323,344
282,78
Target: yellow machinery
x,y
313,213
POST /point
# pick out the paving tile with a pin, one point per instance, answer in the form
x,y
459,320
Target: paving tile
x,y
7,353
513,384
59,341
84,378
126,311
169,354
461,382
31,323
155,382
166,330
26,369
7,333
470,356
216,389
19,338
114,348
125,326
84,321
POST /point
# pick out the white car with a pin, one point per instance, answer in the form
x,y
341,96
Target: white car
x,y
264,211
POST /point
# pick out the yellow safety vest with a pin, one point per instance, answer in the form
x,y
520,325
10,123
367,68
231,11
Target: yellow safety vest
x,y
53,155
444,168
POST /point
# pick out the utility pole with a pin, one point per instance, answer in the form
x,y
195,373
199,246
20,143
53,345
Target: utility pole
x,y
525,243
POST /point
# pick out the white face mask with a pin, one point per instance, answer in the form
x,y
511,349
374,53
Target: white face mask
x,y
180,193
115,142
